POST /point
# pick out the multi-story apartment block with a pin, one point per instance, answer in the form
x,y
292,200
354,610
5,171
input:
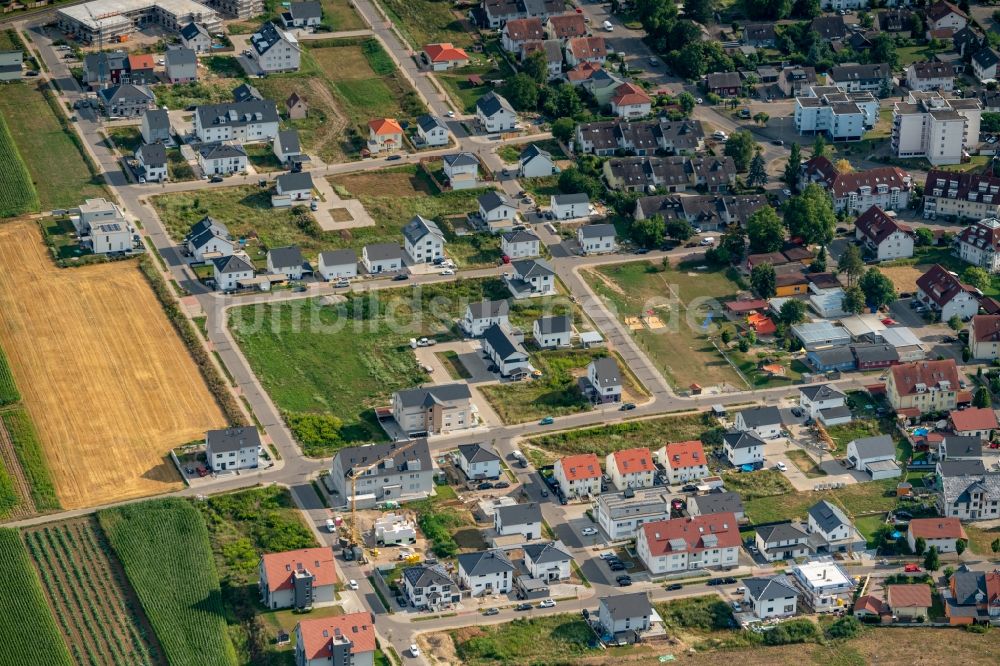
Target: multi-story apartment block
x,y
249,121
434,409
961,195
404,470
979,244
938,128
683,544
924,386
111,21
860,78
274,50
886,187
929,76
836,113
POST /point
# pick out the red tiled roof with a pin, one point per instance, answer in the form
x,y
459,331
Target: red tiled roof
x,y
521,30
740,307
628,94
965,183
140,61
937,528
567,25
692,530
981,236
632,461
986,328
762,324
445,52
684,454
582,466
941,9
588,47
974,419
317,634
909,596
385,126
930,373
989,305
279,567
941,286
583,71
992,580
870,604
876,226
844,183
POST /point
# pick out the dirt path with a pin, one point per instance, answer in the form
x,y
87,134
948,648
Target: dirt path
x,y
26,507
608,282
336,126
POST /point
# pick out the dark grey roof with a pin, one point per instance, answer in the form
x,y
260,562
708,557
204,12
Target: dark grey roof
x,y
417,455
245,91
520,236
575,198
493,199
821,392
623,606
477,453
426,576
382,251
430,395
781,532
831,413
237,114
266,38
544,553
951,468
501,343
123,92
533,151
338,257
860,72
875,447
489,309
607,372
833,356
597,230
180,55
484,563
192,30
290,141
295,180
157,119
305,10
428,122
875,353
968,584
460,159
220,151
986,57
966,446
203,239
232,439
768,589
719,503
491,103
531,267
232,264
419,227
828,516
520,514
742,440
285,257
205,224
560,324
761,416
152,154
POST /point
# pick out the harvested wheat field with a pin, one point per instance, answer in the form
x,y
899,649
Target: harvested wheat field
x,y
108,383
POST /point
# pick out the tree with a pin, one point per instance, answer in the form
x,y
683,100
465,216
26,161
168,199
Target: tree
x,y
562,129
919,546
854,300
689,61
977,277
743,345
966,355
931,561
765,231
793,312
884,50
924,237
846,627
757,175
982,398
536,67
819,263
686,101
648,232
793,168
772,10
955,323
995,546
960,546
844,166
761,118
851,264
679,229
726,336
699,10
763,280
566,102
734,242
806,9
819,146
878,289
810,216
573,180
522,92
740,146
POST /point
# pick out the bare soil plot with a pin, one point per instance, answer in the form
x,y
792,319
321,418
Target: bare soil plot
x,y
903,277
102,373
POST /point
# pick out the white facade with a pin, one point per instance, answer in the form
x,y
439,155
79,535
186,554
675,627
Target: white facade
x,y
491,582
840,115
596,243
767,428
627,470
486,468
552,338
824,585
281,54
938,128
776,601
578,476
620,517
743,449
519,247
684,559
333,265
820,402
569,207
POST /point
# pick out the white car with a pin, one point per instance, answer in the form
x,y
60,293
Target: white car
x,y
450,114
737,607
781,467
588,531
414,650
548,603
330,526
353,584
447,271
720,135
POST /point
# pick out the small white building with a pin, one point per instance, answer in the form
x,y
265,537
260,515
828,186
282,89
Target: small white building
x,y
181,64
596,238
504,347
485,572
824,586
625,613
462,170
230,271
684,461
783,541
423,240
630,102
337,264
286,146
774,596
815,399
478,462
578,475
630,468
620,515
743,448
535,163
882,236
765,422
875,455
944,293
208,239
553,332
831,530
570,206
221,159
152,162
497,210
196,37
294,186
286,261
483,314
531,277
524,520
432,132
548,561
392,529
232,449
605,379
302,14
941,533
382,258
495,113
519,244
155,126
430,587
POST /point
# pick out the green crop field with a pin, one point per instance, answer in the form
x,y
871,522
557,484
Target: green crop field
x,y
30,635
164,547
8,390
30,457
94,607
17,193
10,499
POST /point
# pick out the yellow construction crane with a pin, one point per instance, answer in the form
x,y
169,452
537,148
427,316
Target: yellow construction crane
x,y
357,471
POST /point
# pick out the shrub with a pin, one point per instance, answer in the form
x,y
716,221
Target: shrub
x,y
846,627
794,631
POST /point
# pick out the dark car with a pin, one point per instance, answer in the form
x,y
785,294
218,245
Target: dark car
x,y
393,158
778,142
401,276
641,250
674,586
492,611
729,580
796,412
617,566
215,179
523,607
714,581
624,580
501,484
545,493
493,368
690,488
485,485
626,406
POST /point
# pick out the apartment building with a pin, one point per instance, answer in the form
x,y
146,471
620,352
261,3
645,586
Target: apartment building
x,y
961,195
249,121
683,544
404,470
434,409
979,244
886,187
836,113
924,386
935,127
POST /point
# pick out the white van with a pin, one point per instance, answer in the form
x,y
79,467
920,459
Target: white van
x,y
608,26
708,241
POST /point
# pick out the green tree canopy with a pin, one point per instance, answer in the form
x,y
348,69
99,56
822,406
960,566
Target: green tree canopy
x,y
793,312
854,300
648,232
977,277
765,231
563,128
679,229
878,289
741,146
521,91
810,216
757,174
851,264
763,280
793,168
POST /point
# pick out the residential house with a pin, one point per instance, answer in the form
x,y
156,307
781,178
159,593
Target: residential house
x,y
232,449
886,187
944,19
830,530
763,421
247,121
504,347
586,49
430,587
140,70
434,409
972,596
578,475
404,471
569,206
497,210
155,126
743,448
444,56
961,195
565,27
795,81
385,135
674,174
298,579
683,461
519,244
105,68
927,76
942,291
287,148
552,51
709,212
292,187
548,561
485,572
222,159
816,399
882,236
483,314
531,277
495,113
553,332
716,501
125,100
620,614
208,239
274,50
536,163
759,35
338,264
830,28
181,65
393,529
337,639
685,544
605,380
643,137
950,469
972,422
963,447
423,240
462,170
382,257
908,602
596,238
229,271
630,101
478,462
984,64
620,515
286,261
630,468
774,596
875,455
970,496
432,132
824,586
517,32
967,41
984,337
296,107
152,162
524,520
724,84
869,606
940,533
303,14
940,129
871,78
782,541
196,37
979,244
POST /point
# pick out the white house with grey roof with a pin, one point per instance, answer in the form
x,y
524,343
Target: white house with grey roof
x,y
423,240
152,162
743,448
596,238
481,315
221,159
478,462
625,613
155,126
605,379
431,131
430,587
825,403
462,170
553,332
286,146
486,572
273,50
530,278
535,163
521,519
497,211
783,541
181,64
774,596
232,448
248,121
716,502
292,187
402,473
337,264
519,244
196,37
382,257
434,409
765,422
504,347
830,530
548,561
302,14
125,100
286,261
875,455
230,271
495,114
208,239
570,207
970,496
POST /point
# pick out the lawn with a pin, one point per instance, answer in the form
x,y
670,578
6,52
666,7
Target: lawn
x,y
490,65
63,177
855,498
981,540
263,159
805,463
224,66
883,128
453,364
762,483
178,96
543,640
675,303
911,54
542,188
426,21
340,15
510,153
126,139
447,523
856,429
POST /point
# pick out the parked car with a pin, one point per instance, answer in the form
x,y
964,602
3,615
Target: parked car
x,y
729,580
330,526
781,467
673,587
911,568
215,179
689,488
401,276
352,584
491,611
627,406
548,420
523,607
624,580
796,412
414,650
617,566
588,531
485,485
547,603
714,581
545,493
447,271
737,607
501,484
393,158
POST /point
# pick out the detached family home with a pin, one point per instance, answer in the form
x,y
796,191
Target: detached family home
x,y
302,14
596,238
553,332
403,473
974,422
152,161
830,530
716,501
125,100
196,37
605,379
222,159
621,514
774,596
461,170
232,449
924,386
385,135
382,257
548,561
423,240
578,476
287,146
783,541
430,587
684,461
478,462
497,210
535,163
155,126
293,187
531,277
434,409
942,533
569,206
298,579
765,422
630,468
945,294
495,113
621,614
274,50
504,347
519,244
343,639
875,455
432,131
825,403
230,271
336,264
181,65
208,238
743,448
287,261
984,337
882,236
524,520
484,314
486,572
